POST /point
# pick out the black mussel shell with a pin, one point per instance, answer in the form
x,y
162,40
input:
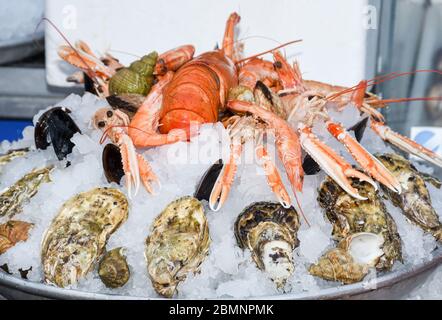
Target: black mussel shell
x,y
310,166
5,268
112,163
56,127
127,103
260,86
24,272
207,183
359,128
89,85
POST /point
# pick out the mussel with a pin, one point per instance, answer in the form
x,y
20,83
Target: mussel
x,y
208,181
112,163
269,231
113,269
56,127
178,244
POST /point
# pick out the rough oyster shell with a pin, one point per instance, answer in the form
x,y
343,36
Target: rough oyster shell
x,y
269,230
414,200
77,236
12,199
368,235
113,269
178,244
351,260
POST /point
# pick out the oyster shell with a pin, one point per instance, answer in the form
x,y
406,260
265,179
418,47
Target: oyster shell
x,y
178,244
113,269
12,199
11,155
13,232
354,219
350,261
77,236
269,230
414,200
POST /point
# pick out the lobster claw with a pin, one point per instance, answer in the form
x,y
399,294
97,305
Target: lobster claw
x,y
333,164
404,143
366,160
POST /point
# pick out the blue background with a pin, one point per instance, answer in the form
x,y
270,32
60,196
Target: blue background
x,y
12,129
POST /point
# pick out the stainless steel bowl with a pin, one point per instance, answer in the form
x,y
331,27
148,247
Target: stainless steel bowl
x,y
391,285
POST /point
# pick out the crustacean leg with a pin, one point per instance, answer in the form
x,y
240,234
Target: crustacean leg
x,y
229,35
333,164
404,143
291,78
135,167
130,163
273,177
287,140
173,59
222,186
85,60
387,134
147,176
370,164
144,125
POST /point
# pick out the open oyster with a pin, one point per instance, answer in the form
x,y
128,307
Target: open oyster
x,y
113,269
77,236
269,231
368,235
178,244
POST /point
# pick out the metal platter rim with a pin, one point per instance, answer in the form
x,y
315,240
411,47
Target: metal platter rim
x,y
386,280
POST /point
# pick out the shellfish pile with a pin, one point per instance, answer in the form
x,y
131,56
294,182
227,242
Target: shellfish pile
x,y
236,247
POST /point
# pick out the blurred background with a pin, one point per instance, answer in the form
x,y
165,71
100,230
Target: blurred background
x,y
343,42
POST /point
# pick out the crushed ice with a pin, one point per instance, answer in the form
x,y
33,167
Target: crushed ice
x,y
228,271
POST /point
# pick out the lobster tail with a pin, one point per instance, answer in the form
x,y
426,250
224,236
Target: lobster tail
x,y
197,92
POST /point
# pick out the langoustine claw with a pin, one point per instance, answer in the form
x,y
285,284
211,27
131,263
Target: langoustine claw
x,y
135,167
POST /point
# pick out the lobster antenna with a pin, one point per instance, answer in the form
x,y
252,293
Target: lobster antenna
x,y
381,79
382,103
94,75
300,209
268,51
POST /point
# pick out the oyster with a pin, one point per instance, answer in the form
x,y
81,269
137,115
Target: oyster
x,y
77,236
13,232
414,200
365,221
113,269
12,199
11,155
177,245
269,231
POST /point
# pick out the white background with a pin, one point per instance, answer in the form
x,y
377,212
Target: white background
x,y
334,35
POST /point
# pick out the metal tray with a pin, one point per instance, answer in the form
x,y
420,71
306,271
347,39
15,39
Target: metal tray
x,y
392,285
